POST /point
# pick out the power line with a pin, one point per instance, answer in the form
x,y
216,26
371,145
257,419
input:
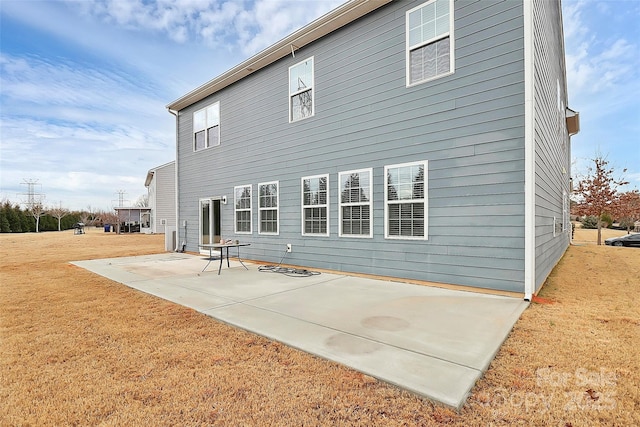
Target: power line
x,y
33,198
121,198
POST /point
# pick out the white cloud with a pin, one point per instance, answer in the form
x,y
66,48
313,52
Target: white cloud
x,y
83,132
597,59
249,26
39,81
572,17
170,17
593,71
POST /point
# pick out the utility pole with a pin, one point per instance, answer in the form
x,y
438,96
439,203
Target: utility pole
x,y
34,201
121,201
121,198
33,198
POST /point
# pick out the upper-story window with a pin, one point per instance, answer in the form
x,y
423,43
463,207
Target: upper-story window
x,y
206,127
301,90
429,41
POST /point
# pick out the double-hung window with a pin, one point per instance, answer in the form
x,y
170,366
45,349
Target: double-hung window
x,y
355,203
405,196
242,209
301,90
430,44
206,127
315,205
268,207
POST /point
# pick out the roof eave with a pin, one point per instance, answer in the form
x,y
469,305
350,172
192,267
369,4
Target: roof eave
x,y
337,18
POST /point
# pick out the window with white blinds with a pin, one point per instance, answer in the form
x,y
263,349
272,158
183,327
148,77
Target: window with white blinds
x,y
355,201
406,201
242,209
429,41
315,205
268,208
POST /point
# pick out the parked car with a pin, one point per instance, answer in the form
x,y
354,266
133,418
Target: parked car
x,y
628,240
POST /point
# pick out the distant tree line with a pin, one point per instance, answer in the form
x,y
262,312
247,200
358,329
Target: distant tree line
x,y
15,219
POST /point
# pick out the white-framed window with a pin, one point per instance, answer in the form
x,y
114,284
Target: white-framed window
x,y
405,207
430,43
206,127
301,90
315,205
268,207
242,209
355,194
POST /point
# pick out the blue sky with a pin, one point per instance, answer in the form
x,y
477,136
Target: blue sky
x,y
84,84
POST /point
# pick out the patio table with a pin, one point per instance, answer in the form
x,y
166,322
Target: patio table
x,y
223,247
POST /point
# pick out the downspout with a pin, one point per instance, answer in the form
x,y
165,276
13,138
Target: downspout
x,y
175,168
529,155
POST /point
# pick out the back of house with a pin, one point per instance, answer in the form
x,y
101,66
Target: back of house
x,y
420,140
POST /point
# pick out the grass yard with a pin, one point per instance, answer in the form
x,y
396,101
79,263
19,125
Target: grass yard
x,y
79,349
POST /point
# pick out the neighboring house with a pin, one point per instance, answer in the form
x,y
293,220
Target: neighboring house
x,y
161,187
134,219
423,140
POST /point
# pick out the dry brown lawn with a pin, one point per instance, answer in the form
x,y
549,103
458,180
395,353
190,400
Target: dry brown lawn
x,y
79,349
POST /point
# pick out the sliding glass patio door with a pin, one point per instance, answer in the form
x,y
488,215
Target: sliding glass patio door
x,y
210,221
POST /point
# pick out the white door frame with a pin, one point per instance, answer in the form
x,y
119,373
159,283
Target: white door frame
x,y
215,218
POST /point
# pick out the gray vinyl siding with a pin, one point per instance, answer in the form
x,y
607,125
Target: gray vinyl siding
x,y
164,179
469,126
552,162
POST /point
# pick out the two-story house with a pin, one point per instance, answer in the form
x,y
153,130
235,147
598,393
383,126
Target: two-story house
x,y
161,191
426,140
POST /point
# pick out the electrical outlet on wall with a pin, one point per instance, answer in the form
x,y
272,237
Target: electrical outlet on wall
x,y
289,247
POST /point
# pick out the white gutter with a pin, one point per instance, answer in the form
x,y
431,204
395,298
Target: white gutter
x,y
529,156
337,18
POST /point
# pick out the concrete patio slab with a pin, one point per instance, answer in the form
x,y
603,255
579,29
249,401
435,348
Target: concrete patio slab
x,y
432,341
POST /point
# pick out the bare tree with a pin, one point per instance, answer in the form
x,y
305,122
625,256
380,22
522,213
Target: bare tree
x,y
58,212
598,192
628,208
143,201
91,216
37,211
